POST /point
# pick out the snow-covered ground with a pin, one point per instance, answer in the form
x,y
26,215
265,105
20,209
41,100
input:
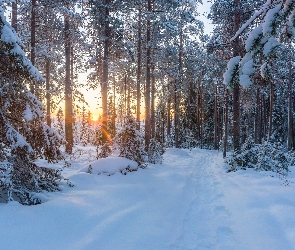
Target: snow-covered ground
x,y
188,202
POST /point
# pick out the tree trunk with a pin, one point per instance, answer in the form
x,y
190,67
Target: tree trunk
x,y
48,109
72,64
168,115
290,109
257,131
176,115
148,79
114,111
236,88
177,91
138,93
189,104
198,112
68,89
216,125
14,15
125,95
260,118
128,98
153,90
33,39
201,116
271,102
225,124
105,74
264,117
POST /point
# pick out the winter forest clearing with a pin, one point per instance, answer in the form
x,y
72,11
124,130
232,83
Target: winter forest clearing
x,y
189,143
188,202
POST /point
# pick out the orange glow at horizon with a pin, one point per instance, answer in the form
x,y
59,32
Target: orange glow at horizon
x,y
94,118
95,103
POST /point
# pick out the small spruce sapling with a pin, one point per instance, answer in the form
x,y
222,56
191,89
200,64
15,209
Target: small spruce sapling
x,y
130,142
156,151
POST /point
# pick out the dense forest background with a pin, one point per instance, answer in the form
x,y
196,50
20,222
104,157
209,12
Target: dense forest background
x,y
163,82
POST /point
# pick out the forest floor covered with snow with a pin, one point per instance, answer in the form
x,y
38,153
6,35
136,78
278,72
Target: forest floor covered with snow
x,y
188,202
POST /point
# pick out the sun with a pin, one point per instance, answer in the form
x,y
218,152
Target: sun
x,y
95,118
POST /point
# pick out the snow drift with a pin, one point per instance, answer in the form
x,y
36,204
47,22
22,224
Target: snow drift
x,y
110,166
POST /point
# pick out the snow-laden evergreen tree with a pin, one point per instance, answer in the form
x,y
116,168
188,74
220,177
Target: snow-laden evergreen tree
x,y
59,125
130,142
271,25
267,34
156,151
268,156
229,14
23,134
105,150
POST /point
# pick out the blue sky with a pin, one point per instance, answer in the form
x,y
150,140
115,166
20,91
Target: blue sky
x,y
204,10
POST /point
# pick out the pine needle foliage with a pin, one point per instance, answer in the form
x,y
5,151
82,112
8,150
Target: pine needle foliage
x,y
130,142
24,136
267,156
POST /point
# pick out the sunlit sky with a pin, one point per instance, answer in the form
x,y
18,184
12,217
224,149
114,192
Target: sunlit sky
x,y
90,96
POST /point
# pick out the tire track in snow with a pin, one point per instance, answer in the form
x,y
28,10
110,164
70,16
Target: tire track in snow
x,y
206,220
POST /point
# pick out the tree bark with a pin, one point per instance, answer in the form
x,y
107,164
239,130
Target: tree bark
x,y
225,125
216,119
125,95
271,102
128,98
177,90
201,116
68,89
138,93
290,109
260,118
176,115
153,91
105,74
48,106
198,112
264,116
33,40
148,79
257,131
236,87
114,110
14,15
189,104
168,113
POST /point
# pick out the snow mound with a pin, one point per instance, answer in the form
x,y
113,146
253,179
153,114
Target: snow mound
x,y
110,166
176,152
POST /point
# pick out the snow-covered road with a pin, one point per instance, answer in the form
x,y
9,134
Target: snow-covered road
x,y
188,202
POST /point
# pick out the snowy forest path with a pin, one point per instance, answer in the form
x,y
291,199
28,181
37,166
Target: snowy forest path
x,y
188,202
206,222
